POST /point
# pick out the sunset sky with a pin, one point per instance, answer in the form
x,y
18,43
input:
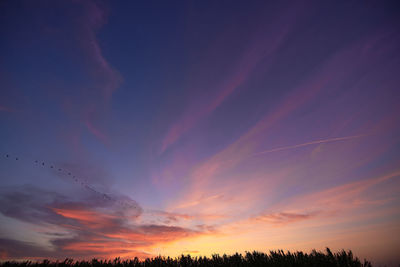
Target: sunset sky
x,y
144,128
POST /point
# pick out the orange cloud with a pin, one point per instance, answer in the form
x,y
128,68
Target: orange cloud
x,y
106,233
325,203
89,218
92,229
283,218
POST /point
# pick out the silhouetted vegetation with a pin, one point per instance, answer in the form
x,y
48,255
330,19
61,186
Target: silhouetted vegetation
x,y
274,258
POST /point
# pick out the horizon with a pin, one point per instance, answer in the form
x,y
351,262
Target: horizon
x,y
137,129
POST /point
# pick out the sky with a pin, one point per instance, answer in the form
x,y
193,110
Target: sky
x,y
144,128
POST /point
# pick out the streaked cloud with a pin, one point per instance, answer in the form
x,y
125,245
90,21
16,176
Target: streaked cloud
x,y
261,48
282,218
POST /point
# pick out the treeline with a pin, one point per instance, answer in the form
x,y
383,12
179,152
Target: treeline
x,y
273,259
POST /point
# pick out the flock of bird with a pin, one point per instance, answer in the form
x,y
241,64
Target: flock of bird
x,y
81,182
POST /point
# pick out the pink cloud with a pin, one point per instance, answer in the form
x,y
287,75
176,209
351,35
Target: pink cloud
x,y
299,97
339,199
218,174
103,80
96,132
283,218
261,49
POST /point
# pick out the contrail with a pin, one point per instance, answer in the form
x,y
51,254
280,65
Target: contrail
x,y
321,141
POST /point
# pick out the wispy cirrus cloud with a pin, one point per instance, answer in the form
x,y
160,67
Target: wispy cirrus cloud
x,y
105,79
283,218
325,204
342,197
87,105
184,218
263,48
218,168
